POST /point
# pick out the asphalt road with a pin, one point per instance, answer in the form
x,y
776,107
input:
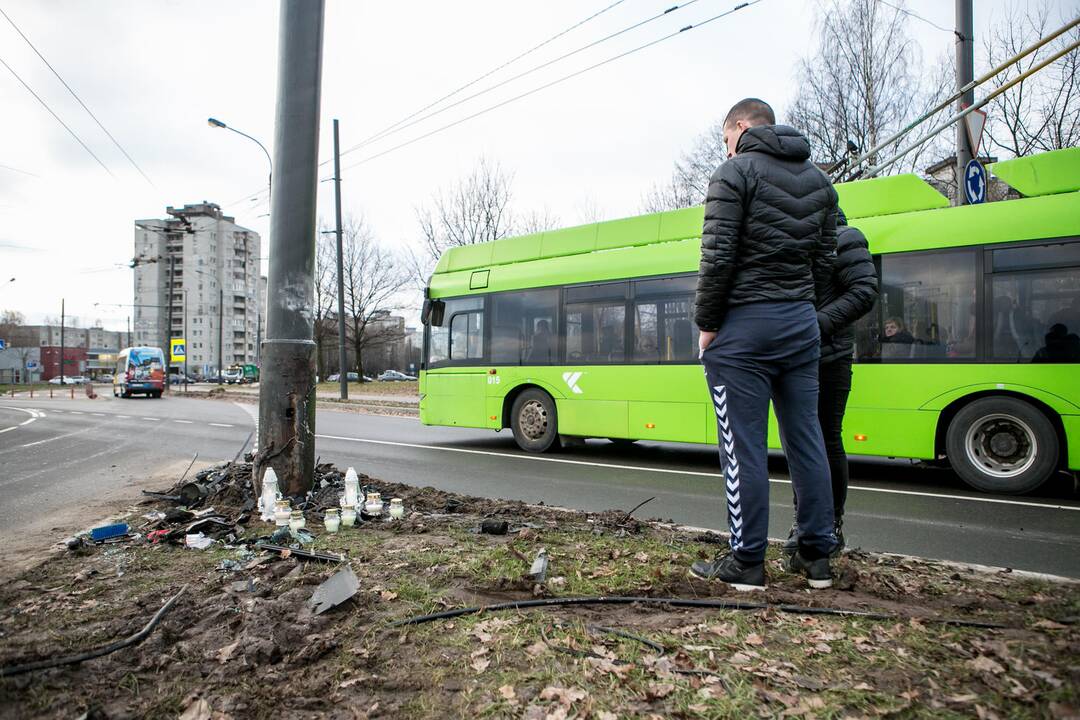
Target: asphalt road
x,y
60,459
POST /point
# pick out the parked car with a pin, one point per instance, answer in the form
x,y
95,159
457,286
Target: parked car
x,y
68,380
104,378
350,377
180,379
215,378
394,375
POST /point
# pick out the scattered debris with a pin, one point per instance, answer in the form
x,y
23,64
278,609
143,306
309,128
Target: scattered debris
x,y
341,586
494,527
197,541
105,532
538,571
135,639
303,554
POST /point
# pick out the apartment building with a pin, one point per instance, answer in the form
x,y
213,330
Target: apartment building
x,y
197,276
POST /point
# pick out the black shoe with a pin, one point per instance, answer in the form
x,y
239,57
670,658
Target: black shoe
x,y
817,572
838,530
791,545
729,569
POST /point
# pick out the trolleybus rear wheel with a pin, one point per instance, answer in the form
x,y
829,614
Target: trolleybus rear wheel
x,y
534,421
1002,444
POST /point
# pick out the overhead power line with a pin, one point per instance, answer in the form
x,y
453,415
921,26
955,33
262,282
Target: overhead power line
x,y
76,96
491,72
14,169
917,16
399,126
553,83
46,106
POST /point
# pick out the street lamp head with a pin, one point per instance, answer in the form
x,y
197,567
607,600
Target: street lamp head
x,y
213,122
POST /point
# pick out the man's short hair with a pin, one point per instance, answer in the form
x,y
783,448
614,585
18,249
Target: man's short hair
x,y
751,110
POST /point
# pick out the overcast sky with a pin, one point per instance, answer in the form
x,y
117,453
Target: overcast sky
x,y
154,70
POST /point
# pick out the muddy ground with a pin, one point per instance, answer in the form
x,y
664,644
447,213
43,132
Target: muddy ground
x,y
243,642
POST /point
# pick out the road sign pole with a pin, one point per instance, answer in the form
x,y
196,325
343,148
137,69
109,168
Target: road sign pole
x,y
61,342
965,71
287,387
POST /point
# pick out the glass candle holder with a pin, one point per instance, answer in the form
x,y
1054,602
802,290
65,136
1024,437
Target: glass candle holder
x,y
373,506
397,508
331,520
296,520
281,513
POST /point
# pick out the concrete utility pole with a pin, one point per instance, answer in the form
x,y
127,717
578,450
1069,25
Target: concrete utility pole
x,y
965,73
287,384
168,322
61,341
220,330
344,376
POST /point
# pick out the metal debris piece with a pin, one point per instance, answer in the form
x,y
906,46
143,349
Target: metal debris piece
x,y
337,589
538,571
494,527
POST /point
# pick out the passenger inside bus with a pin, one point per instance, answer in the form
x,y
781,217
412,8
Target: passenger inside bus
x,y
543,346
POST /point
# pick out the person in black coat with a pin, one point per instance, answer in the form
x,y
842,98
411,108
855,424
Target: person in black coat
x,y
767,247
850,293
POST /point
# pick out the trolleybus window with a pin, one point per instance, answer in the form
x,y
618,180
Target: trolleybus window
x,y
523,328
595,322
926,310
467,335
664,330
439,336
1035,310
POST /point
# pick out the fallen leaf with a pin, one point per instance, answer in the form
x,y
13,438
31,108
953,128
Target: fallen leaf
x,y
387,596
507,692
480,664
565,696
226,653
985,664
660,690
537,648
642,557
199,709
754,639
862,686
1049,625
480,652
349,683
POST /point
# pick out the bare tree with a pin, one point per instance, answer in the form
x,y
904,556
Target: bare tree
x,y
689,179
1041,112
864,82
325,297
536,221
475,210
374,280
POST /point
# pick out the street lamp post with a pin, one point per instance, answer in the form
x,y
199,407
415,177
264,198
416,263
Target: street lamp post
x,y
215,123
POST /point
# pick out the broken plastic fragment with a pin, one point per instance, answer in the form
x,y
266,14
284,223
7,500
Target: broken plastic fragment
x,y
109,531
538,571
340,587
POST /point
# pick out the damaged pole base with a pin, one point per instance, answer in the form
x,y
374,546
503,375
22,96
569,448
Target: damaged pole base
x,y
287,415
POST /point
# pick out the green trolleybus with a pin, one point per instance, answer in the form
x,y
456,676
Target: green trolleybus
x,y
972,354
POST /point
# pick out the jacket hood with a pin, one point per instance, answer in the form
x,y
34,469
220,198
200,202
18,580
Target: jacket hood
x,y
780,141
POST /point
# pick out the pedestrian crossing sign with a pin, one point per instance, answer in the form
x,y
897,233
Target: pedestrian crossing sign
x,y
178,349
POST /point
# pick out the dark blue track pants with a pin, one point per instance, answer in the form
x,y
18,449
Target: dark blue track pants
x,y
762,351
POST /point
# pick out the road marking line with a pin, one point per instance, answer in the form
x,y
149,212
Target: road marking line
x,y
76,412
126,417
98,414
13,427
27,422
150,419
185,422
714,476
220,425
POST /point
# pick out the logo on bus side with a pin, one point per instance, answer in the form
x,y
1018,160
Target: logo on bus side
x,y
571,378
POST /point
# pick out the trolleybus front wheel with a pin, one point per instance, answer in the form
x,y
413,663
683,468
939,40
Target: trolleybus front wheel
x,y
534,421
1002,444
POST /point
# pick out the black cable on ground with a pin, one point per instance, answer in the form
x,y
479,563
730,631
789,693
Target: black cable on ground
x,y
712,603
98,652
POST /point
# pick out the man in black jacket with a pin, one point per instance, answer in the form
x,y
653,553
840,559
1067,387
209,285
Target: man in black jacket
x,y
850,294
767,248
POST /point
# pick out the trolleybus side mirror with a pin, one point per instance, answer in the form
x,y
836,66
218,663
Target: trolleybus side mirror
x,y
433,312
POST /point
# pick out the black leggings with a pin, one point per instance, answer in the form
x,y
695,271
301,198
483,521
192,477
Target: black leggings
x,y
834,379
